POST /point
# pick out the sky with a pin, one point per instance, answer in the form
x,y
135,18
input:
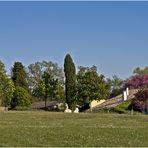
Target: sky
x,y
111,35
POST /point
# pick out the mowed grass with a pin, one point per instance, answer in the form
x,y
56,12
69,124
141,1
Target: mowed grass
x,y
38,128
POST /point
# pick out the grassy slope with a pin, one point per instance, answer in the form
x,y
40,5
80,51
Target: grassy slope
x,y
59,129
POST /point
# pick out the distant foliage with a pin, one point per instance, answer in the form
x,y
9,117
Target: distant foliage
x,y
37,69
140,101
141,71
21,98
138,81
116,86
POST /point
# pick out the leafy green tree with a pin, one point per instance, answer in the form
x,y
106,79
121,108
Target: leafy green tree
x,y
61,92
49,89
116,85
90,85
6,87
19,75
70,82
21,98
39,91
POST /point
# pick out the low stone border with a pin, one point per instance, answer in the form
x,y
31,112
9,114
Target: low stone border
x,y
3,109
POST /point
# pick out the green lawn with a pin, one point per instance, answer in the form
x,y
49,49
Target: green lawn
x,y
39,128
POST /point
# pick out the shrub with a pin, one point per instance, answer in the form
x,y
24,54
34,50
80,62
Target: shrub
x,y
126,105
21,98
123,107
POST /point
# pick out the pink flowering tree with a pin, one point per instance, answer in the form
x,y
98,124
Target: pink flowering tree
x,y
140,102
138,82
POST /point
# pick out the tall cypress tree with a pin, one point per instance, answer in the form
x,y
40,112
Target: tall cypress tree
x,y
19,75
70,84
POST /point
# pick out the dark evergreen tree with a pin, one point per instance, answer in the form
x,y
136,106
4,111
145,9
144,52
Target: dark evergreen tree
x,y
19,75
70,84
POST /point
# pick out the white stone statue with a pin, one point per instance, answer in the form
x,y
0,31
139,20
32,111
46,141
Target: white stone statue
x,y
67,110
76,110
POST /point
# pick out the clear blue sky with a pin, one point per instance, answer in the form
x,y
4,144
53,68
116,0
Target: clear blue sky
x,y
111,35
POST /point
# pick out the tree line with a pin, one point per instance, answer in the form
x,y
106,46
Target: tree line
x,y
46,81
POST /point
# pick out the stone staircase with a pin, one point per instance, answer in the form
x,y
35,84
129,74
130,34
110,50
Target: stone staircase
x,y
115,101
